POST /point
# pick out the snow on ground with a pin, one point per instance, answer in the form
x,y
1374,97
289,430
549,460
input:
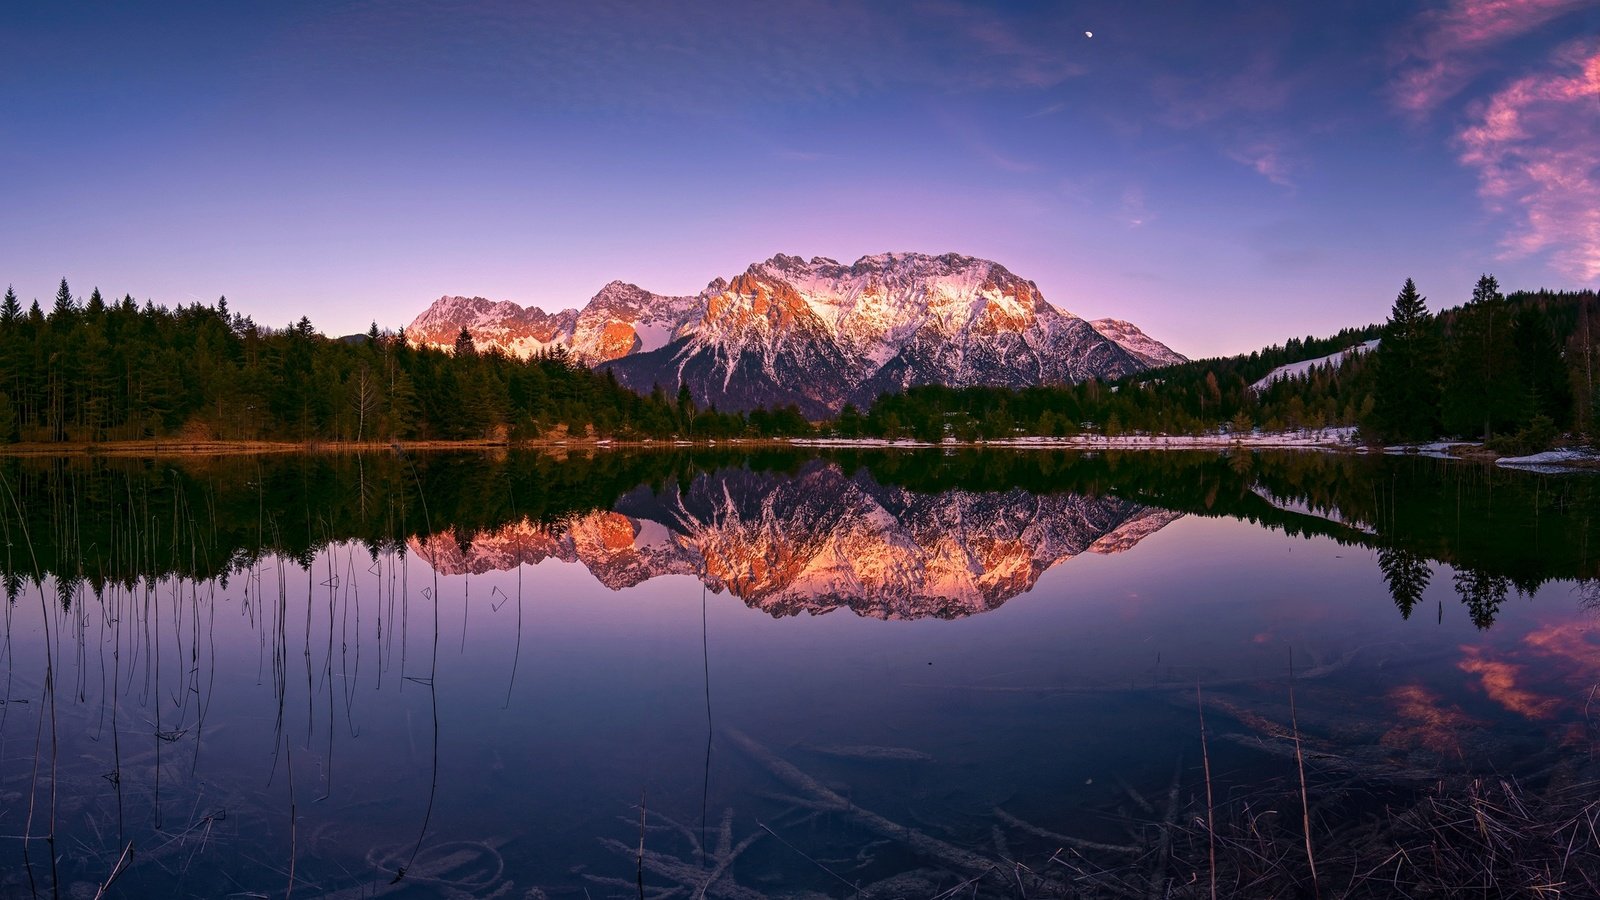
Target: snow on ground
x,y
1304,367
1553,461
1431,450
857,442
1307,438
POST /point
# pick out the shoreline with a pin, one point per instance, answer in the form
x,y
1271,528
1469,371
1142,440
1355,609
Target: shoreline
x,y
1327,441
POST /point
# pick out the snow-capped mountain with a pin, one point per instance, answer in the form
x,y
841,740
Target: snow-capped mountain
x,y
519,331
623,319
818,333
821,540
1150,351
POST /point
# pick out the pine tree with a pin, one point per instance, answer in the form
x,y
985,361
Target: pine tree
x,y
10,309
61,314
1541,371
1406,403
464,344
1407,574
1483,390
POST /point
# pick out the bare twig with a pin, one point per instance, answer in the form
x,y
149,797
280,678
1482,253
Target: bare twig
x,y
1300,763
1211,825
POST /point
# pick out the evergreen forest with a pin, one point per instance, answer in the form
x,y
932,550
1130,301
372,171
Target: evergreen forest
x,y
1515,371
106,371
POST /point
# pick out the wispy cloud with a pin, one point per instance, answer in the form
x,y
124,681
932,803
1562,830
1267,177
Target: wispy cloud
x,y
1135,212
1536,148
1268,158
978,143
1009,53
1254,86
1445,49
676,54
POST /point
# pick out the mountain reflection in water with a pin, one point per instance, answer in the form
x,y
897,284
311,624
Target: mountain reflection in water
x,y
891,535
819,540
361,676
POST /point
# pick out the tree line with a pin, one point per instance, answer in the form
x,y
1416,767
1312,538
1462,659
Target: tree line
x,y
1516,371
94,521
98,370
1511,373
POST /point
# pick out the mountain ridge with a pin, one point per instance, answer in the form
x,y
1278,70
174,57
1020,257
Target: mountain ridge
x,y
815,333
818,540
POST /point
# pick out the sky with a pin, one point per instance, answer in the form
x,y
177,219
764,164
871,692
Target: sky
x,y
1225,175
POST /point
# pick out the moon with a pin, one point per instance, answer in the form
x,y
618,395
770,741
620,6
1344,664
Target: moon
x,y
1088,34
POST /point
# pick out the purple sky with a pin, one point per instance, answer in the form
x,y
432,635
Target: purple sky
x,y
1224,175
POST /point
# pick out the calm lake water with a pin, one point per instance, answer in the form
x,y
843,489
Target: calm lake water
x,y
896,674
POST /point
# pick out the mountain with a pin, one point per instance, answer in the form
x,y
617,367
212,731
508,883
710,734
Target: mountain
x,y
518,331
623,319
818,333
821,540
1150,351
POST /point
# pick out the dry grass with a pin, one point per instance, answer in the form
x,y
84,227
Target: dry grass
x,y
1475,838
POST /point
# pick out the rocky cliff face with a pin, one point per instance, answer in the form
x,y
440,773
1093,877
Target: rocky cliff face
x,y
817,333
821,540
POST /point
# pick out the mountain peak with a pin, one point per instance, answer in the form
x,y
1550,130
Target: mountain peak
x,y
1149,350
845,540
817,333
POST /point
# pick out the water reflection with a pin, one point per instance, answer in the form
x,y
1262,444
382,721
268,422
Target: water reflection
x,y
448,676
818,540
889,535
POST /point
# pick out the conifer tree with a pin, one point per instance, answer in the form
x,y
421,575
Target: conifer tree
x,y
61,314
1406,402
1541,371
1483,389
10,309
1407,574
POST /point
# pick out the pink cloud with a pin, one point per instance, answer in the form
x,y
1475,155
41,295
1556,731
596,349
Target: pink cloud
x,y
1535,145
1444,50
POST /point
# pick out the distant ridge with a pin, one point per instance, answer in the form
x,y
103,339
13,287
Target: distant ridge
x,y
816,334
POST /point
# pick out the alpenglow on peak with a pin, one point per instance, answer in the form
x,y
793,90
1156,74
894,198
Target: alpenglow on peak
x,y
816,333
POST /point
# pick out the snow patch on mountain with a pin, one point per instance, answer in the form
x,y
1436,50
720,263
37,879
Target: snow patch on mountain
x,y
817,333
519,331
1304,367
821,540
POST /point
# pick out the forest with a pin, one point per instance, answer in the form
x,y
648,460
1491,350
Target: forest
x,y
107,371
1515,371
1512,370
98,521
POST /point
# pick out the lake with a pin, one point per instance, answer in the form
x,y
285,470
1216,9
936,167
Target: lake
x,y
774,673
